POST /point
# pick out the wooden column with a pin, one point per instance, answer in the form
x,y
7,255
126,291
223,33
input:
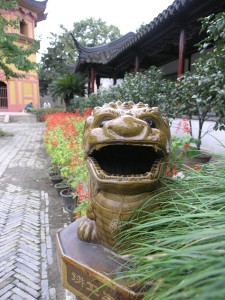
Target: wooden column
x,y
114,77
89,82
92,79
98,79
182,44
136,68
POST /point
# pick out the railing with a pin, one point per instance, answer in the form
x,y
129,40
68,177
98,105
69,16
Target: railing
x,y
3,97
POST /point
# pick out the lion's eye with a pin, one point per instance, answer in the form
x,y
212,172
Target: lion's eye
x,y
104,121
150,122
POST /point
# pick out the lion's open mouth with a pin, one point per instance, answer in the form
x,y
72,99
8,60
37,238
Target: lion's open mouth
x,y
130,161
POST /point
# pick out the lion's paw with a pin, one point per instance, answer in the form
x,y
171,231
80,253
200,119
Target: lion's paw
x,y
87,231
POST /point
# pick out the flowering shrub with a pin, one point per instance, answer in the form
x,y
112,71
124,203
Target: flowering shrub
x,y
63,142
181,147
80,210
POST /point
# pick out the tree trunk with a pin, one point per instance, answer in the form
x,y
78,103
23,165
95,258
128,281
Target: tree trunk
x,y
67,100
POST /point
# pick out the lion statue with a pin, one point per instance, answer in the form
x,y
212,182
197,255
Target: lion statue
x,y
126,147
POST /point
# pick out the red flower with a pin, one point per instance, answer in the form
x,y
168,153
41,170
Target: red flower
x,y
186,145
196,168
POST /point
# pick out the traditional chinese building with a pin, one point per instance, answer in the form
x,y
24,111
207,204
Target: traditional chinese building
x,y
16,93
168,42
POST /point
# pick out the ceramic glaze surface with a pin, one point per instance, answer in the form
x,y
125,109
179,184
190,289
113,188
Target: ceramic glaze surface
x,y
126,148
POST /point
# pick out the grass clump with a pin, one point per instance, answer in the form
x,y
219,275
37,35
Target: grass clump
x,y
176,241
2,132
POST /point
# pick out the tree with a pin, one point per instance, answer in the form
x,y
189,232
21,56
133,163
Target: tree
x,y
89,32
201,93
52,63
68,86
10,53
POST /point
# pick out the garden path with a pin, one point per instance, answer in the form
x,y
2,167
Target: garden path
x,y
31,213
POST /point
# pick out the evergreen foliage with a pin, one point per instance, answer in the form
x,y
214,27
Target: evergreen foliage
x,y
67,87
62,50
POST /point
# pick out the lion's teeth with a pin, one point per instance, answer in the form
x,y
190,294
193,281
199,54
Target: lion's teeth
x,y
104,175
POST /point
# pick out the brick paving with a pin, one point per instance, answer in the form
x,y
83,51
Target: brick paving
x,y
26,251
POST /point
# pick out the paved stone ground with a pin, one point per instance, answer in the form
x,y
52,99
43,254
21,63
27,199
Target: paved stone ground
x,y
31,213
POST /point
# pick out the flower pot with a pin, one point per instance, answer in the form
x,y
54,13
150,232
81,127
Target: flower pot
x,y
197,160
56,179
54,171
68,197
70,209
60,186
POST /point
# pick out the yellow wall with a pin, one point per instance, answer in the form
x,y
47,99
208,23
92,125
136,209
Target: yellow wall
x,y
12,85
20,92
28,89
36,93
30,29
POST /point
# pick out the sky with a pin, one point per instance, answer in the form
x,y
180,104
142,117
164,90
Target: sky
x,y
127,15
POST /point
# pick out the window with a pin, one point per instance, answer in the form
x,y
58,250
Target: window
x,y
3,95
23,28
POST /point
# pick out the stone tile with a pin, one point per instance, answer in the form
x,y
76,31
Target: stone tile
x,y
35,257
27,282
32,249
28,264
31,260
26,269
22,294
34,279
7,295
44,289
6,289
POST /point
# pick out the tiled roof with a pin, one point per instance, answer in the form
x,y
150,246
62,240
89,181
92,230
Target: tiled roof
x,y
172,11
37,3
36,6
104,55
156,43
100,54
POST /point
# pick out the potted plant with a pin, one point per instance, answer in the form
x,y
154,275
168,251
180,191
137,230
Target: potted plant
x,y
185,153
61,186
78,208
56,179
68,196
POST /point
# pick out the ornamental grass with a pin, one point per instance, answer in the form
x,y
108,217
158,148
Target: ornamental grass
x,y
176,242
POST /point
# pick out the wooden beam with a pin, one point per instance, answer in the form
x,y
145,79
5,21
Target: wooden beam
x,y
181,59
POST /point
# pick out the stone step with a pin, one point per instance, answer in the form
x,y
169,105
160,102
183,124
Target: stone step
x,y
4,118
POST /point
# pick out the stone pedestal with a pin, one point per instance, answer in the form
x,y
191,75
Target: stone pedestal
x,y
85,267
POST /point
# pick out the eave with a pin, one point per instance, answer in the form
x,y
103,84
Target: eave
x,y
35,6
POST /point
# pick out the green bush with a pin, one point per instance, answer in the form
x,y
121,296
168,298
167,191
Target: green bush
x,y
143,87
41,112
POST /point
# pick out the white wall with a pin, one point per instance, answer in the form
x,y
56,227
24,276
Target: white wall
x,y
210,141
172,67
